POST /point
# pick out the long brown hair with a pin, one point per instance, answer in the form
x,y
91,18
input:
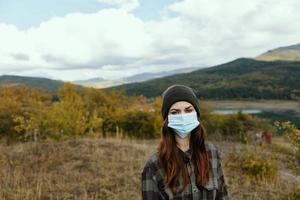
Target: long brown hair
x,y
171,160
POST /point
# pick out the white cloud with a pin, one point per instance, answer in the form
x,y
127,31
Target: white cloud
x,y
76,40
246,23
114,42
127,5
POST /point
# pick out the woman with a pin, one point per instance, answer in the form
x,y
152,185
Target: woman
x,y
184,166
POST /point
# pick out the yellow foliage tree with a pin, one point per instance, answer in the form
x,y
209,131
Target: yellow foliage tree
x,y
21,110
68,117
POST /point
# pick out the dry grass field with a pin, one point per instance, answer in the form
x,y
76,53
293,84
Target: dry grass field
x,y
90,168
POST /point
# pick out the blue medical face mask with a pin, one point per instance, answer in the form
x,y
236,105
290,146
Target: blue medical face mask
x,y
183,124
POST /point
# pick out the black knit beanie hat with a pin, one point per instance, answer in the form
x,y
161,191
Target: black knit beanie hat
x,y
176,93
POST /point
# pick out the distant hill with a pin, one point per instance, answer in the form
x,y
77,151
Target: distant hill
x,y
44,84
103,83
90,81
288,53
147,76
240,79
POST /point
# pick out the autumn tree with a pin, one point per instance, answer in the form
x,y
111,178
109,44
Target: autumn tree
x,y
138,124
31,122
20,111
68,117
9,106
116,104
155,110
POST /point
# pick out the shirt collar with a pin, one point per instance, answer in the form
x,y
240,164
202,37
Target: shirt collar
x,y
187,155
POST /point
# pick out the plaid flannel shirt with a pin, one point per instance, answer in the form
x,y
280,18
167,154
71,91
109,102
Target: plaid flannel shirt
x,y
152,187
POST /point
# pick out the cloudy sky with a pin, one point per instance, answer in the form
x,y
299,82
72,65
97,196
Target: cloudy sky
x,y
82,39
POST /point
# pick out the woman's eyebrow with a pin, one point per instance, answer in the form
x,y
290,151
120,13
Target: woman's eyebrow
x,y
179,109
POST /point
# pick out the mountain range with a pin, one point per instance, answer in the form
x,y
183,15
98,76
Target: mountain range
x,y
100,82
242,78
271,75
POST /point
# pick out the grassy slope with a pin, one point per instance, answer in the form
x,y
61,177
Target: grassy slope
x,y
288,53
106,169
273,56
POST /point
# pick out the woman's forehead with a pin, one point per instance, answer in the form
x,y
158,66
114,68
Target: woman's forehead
x,y
180,105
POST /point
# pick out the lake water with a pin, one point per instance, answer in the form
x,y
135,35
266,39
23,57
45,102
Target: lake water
x,y
271,115
235,111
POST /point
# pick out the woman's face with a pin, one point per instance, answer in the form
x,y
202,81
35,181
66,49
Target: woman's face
x,y
181,107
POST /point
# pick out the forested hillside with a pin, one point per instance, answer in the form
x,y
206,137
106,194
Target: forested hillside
x,y
240,79
44,84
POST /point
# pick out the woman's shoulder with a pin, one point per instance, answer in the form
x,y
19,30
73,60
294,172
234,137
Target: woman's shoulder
x,y
151,164
213,150
211,147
